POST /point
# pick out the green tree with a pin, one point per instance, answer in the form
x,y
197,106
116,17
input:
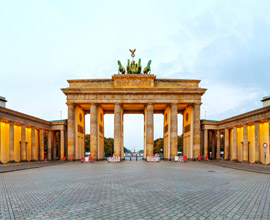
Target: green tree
x,y
127,150
158,145
108,146
140,151
87,143
180,143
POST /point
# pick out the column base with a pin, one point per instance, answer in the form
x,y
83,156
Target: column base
x,y
12,161
236,161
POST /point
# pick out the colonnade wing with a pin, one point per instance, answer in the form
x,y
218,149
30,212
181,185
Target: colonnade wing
x,y
19,143
241,141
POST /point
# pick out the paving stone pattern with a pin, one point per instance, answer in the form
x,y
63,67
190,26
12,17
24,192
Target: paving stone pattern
x,y
134,190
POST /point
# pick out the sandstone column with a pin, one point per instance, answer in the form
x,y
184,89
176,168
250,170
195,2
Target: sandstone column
x,y
122,135
234,147
240,146
149,131
251,145
71,131
23,145
49,145
62,140
218,145
196,131
227,144
144,134
33,143
94,131
173,131
37,144
245,143
117,130
11,141
54,146
257,143
205,142
41,144
268,138
213,144
0,143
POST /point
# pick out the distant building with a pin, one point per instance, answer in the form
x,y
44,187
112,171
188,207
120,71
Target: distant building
x,y
3,101
266,101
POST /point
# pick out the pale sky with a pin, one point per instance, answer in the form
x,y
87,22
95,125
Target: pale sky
x,y
225,44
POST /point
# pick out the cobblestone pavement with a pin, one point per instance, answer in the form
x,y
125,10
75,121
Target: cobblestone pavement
x,y
134,190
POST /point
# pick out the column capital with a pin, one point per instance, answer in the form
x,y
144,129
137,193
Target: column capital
x,y
70,104
118,103
147,104
173,104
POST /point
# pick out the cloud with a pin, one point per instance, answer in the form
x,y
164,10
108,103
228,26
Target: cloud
x,y
222,100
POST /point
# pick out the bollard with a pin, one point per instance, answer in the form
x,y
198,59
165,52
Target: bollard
x,y
199,158
206,157
82,159
136,158
71,159
64,158
185,158
90,159
130,158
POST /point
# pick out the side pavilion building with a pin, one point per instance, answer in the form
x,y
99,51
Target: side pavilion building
x,y
26,138
240,138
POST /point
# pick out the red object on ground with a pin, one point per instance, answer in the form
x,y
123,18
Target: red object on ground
x,y
90,159
185,158
82,159
206,157
199,158
64,158
71,159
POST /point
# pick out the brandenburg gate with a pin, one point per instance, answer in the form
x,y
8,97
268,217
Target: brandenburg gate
x,y
133,93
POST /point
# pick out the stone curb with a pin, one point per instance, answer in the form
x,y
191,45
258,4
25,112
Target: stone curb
x,y
27,168
239,168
